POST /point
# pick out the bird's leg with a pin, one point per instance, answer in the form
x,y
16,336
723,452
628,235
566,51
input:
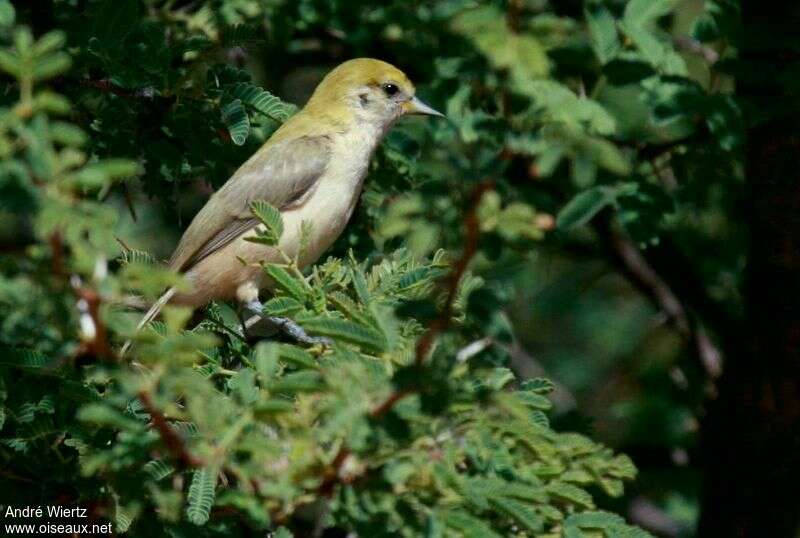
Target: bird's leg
x,y
296,332
280,324
240,313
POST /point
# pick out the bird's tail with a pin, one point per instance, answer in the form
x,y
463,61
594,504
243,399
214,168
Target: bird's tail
x,y
149,316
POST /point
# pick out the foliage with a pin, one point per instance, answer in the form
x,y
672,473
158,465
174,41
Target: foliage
x,y
411,422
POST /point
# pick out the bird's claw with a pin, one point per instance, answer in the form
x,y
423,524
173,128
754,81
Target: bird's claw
x,y
282,324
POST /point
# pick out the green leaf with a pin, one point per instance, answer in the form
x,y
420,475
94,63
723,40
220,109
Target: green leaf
x,y
419,277
536,401
235,119
50,42
113,20
521,512
610,524
295,356
467,524
657,51
570,493
272,220
243,385
123,518
583,207
67,134
302,381
201,495
603,32
641,12
622,467
50,66
266,360
360,284
273,406
23,358
158,469
11,64
724,120
286,282
7,14
251,506
282,307
53,103
434,528
539,385
262,101
367,338
23,40
521,53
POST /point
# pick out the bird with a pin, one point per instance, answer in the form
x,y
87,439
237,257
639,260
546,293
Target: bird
x,y
312,170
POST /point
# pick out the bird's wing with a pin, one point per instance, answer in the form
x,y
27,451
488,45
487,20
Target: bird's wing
x,y
280,174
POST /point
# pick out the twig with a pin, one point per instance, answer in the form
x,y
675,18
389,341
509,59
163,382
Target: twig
x,y
690,44
92,324
331,474
450,284
57,248
453,279
170,438
514,16
645,277
388,403
105,85
129,201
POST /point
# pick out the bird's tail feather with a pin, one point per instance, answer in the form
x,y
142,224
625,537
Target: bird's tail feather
x,y
149,316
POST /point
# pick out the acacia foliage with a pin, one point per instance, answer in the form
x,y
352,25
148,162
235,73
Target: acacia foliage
x,y
410,422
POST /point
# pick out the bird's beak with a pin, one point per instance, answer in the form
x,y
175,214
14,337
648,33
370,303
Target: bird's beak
x,y
415,106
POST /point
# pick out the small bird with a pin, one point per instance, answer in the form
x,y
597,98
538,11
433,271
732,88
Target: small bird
x,y
312,170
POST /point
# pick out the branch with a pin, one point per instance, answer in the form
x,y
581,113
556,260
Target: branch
x,y
450,284
331,474
388,403
644,276
57,248
453,279
92,325
106,86
690,44
169,437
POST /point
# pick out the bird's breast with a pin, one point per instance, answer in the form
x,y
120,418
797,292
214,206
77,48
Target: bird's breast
x,y
310,228
328,208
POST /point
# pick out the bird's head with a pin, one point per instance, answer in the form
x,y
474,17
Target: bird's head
x,y
370,91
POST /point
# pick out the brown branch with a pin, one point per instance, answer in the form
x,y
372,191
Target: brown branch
x,y
388,403
450,284
331,473
99,345
129,201
172,441
57,249
645,277
638,270
106,86
453,279
514,16
692,45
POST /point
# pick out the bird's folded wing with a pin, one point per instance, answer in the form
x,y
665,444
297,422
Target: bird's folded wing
x,y
280,174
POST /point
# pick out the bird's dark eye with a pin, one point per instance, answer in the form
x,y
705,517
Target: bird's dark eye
x,y
390,89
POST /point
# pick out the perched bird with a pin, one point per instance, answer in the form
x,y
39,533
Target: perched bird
x,y
312,169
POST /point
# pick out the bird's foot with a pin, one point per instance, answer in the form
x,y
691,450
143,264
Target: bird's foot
x,y
275,324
